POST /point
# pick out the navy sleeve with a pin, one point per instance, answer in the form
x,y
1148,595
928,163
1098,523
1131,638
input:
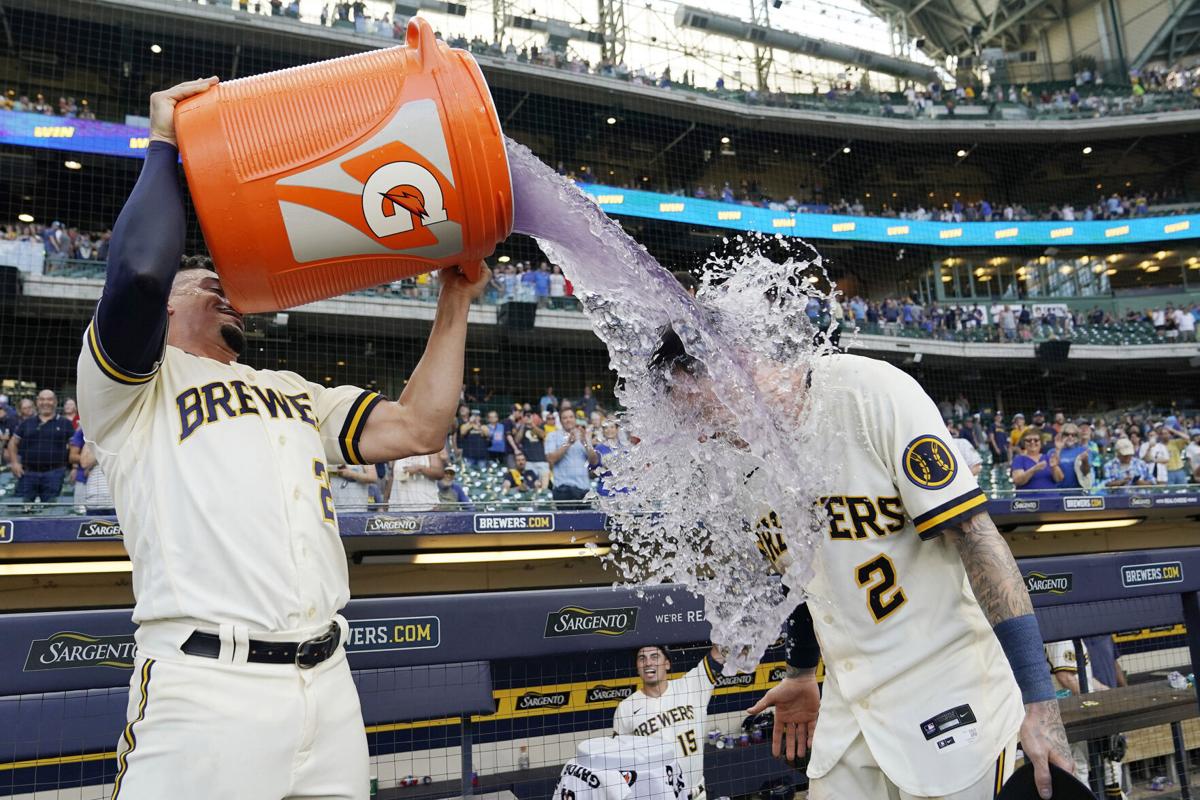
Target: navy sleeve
x,y
147,243
801,648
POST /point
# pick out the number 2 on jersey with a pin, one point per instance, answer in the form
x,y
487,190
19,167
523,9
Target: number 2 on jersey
x,y
321,473
883,595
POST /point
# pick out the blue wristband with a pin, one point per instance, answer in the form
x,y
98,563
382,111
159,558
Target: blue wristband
x,y
1021,641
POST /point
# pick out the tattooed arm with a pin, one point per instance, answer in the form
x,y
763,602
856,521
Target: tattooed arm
x,y
1001,593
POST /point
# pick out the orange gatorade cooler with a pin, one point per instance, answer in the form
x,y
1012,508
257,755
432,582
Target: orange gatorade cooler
x,y
318,180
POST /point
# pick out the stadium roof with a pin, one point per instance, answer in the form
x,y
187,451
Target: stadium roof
x,y
956,27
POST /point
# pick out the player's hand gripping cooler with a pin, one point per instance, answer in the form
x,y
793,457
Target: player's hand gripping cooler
x,y
622,768
323,179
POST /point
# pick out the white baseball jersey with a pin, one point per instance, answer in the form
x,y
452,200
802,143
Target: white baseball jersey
x,y
678,715
622,768
910,659
220,481
412,491
1061,658
350,495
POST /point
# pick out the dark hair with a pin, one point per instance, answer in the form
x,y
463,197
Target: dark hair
x,y
670,354
662,648
196,262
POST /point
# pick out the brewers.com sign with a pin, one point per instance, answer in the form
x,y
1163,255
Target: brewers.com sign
x,y
70,650
492,523
576,621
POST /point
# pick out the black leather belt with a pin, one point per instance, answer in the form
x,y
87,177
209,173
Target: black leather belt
x,y
305,655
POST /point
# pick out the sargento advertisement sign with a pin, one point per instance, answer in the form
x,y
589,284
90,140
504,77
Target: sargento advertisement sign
x,y
1040,583
398,633
72,650
99,529
744,679
531,701
385,523
490,523
578,621
605,694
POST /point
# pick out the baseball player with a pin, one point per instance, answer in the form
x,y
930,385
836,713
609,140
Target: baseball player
x,y
623,768
221,481
1065,669
674,709
916,602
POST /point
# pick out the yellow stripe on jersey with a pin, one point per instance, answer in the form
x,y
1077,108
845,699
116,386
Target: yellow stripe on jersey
x,y
128,736
108,367
708,670
1071,670
356,421
999,774
976,498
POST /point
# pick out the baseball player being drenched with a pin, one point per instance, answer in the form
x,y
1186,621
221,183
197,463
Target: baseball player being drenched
x,y
241,687
933,656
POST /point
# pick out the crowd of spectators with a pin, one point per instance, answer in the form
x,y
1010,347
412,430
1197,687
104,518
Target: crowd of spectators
x,y
1105,207
61,243
43,450
1007,323
67,107
1087,94
1111,453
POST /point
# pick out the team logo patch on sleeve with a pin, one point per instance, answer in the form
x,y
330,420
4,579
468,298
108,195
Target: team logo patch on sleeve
x,y
929,463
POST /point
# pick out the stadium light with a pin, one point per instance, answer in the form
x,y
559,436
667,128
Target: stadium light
x,y
484,556
156,48
504,259
65,567
1110,271
724,140
1064,527
846,149
1161,254
611,120
1087,151
72,165
1153,268
25,218
961,154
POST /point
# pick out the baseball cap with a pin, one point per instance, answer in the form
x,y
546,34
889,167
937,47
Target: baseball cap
x,y
1064,785
1039,413
1194,432
1018,415
1124,447
451,468
475,412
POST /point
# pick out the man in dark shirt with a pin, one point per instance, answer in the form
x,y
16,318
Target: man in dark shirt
x,y
37,451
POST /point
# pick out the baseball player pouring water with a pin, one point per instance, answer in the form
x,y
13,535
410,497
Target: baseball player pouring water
x,y
933,656
241,686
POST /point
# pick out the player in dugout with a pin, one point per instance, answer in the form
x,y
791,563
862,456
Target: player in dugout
x,y
241,686
674,709
933,656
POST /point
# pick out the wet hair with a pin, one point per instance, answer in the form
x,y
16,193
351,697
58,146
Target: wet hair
x,y
196,262
670,355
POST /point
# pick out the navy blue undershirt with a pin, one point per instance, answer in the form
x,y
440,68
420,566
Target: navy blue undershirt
x,y
143,257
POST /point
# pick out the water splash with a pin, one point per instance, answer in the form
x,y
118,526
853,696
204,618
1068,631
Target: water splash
x,y
717,452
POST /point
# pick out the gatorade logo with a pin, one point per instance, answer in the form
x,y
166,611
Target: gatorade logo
x,y
399,194
392,195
